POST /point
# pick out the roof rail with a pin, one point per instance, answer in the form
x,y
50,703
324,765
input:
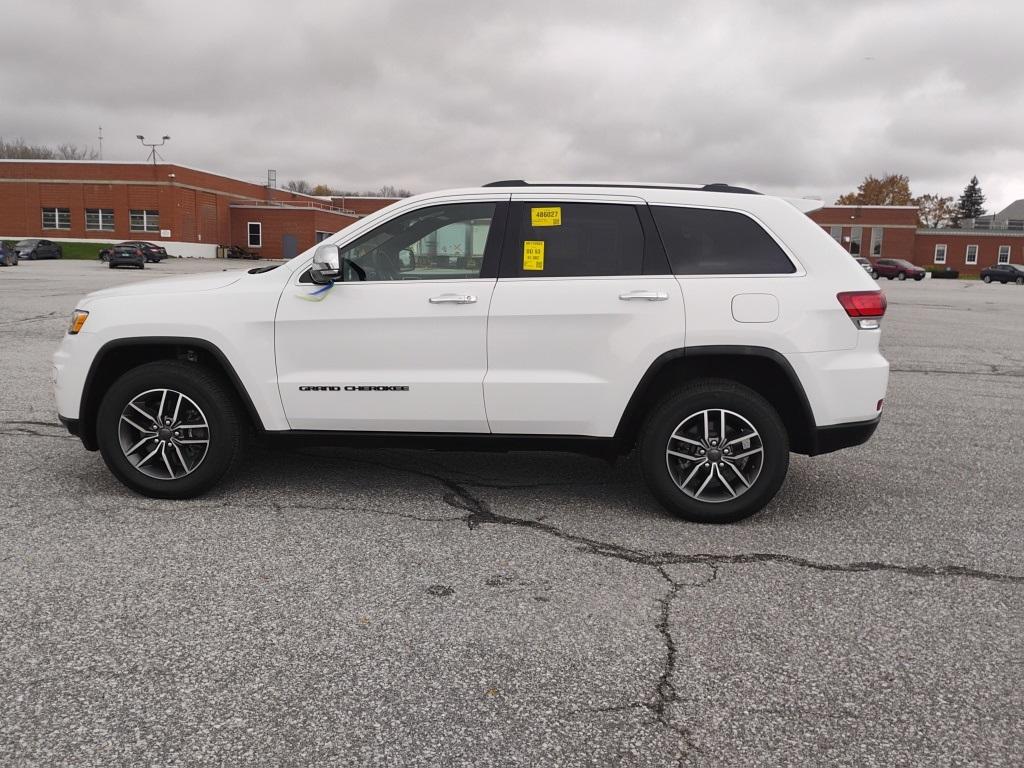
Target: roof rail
x,y
714,187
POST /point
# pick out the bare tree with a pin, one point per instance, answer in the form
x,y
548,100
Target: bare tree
x,y
18,149
300,185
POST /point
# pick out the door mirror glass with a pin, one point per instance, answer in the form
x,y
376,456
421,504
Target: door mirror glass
x,y
326,264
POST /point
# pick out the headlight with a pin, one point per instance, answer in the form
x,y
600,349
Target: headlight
x,y
78,318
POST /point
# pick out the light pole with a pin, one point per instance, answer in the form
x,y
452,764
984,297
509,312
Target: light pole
x,y
153,155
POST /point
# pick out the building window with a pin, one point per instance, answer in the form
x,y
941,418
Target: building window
x,y
877,233
255,231
56,218
144,221
971,256
940,253
321,236
856,234
99,219
1015,224
837,233
1004,254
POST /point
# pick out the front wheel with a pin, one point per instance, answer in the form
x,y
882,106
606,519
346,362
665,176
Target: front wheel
x,y
170,429
918,278
1019,280
714,452
986,279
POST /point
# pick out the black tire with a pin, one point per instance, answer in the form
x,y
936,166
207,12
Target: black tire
x,y
111,264
986,279
918,278
874,274
903,276
228,427
1019,280
695,397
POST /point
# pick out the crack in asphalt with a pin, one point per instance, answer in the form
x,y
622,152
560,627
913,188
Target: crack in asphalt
x,y
1001,372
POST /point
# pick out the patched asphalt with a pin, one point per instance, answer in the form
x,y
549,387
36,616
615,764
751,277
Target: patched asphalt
x,y
347,607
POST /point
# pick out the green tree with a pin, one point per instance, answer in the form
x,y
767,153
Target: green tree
x,y
890,189
971,204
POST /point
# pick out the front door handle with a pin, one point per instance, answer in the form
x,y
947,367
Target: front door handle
x,y
453,298
644,295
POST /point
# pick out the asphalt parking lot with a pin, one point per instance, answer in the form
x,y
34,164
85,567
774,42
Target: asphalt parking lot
x,y
402,608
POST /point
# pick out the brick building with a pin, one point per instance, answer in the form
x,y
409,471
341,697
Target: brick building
x,y
891,231
189,211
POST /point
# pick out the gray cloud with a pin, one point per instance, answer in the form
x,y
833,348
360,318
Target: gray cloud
x,y
793,98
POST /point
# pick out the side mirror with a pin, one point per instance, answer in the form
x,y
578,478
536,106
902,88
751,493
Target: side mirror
x,y
406,260
326,264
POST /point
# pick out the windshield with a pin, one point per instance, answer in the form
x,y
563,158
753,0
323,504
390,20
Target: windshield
x,y
25,243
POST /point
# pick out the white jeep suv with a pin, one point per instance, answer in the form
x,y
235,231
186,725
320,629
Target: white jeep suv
x,y
710,328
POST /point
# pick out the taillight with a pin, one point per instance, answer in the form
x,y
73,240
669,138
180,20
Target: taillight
x,y
865,308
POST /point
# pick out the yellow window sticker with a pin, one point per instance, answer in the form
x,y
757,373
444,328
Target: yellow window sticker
x,y
533,255
546,217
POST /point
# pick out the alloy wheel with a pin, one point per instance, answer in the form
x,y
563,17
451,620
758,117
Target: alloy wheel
x,y
714,455
164,434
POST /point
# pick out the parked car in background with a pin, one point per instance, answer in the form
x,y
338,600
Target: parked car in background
x,y
1004,273
125,255
151,252
38,249
866,265
8,256
238,252
898,269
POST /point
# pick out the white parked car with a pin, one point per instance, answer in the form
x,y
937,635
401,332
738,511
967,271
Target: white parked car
x,y
711,329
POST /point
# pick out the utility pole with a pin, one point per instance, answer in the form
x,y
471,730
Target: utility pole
x,y
101,142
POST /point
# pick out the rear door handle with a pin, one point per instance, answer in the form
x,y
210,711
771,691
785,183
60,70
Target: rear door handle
x,y
453,298
644,295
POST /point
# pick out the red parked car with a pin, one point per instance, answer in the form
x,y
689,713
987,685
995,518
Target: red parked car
x,y
898,269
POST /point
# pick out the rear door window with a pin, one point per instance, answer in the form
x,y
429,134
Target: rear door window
x,y
558,239
701,241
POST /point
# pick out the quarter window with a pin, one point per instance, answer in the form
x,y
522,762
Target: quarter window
x,y
575,240
445,242
1004,254
940,253
144,221
708,242
101,219
971,256
56,218
255,232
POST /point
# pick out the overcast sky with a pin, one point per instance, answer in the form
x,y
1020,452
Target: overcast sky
x,y
800,98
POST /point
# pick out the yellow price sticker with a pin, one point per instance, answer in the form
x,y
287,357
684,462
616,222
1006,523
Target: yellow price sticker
x,y
546,217
533,255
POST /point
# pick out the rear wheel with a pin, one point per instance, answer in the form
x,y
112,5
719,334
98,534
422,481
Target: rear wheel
x,y
902,276
714,452
170,429
874,274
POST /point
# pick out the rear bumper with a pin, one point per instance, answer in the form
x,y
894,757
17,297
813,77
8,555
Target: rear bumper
x,y
839,436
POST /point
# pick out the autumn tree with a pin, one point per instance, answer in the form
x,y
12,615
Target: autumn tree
x,y
934,211
890,189
971,204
